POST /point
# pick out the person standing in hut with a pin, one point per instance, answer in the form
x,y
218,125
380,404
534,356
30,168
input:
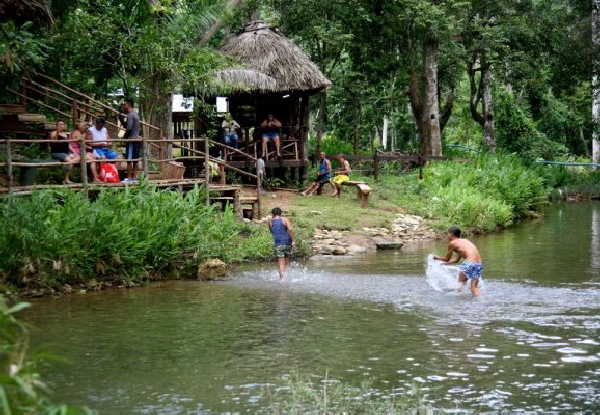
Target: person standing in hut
x,y
132,131
283,238
230,127
341,176
270,132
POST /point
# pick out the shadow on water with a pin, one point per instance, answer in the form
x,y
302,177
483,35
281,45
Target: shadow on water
x,y
530,342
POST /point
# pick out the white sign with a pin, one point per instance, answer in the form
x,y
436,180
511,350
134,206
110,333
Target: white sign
x,y
222,104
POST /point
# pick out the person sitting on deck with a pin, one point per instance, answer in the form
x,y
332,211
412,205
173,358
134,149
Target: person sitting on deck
x,y
60,150
323,176
341,176
100,140
230,127
78,134
270,132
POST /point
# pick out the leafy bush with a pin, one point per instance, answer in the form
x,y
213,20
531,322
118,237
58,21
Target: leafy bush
x,y
487,192
133,234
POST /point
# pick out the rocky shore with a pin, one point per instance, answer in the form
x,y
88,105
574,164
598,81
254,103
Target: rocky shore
x,y
404,229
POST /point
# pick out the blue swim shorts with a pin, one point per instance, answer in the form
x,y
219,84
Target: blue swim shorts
x,y
472,270
270,136
105,153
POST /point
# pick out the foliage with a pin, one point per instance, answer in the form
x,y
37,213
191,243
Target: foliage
x,y
20,49
302,395
479,195
517,132
22,391
137,234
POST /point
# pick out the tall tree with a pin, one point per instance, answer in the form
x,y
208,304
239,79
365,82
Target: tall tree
x,y
596,82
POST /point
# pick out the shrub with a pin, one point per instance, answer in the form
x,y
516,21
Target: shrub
x,y
138,233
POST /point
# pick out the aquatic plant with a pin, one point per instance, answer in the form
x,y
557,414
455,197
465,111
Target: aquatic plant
x,y
136,234
22,390
302,395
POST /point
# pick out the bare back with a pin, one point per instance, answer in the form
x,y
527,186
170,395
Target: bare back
x,y
465,249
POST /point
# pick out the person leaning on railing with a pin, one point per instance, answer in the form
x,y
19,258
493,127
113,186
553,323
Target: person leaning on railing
x,y
81,132
60,150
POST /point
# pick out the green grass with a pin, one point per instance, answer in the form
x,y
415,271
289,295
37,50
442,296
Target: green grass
x,y
132,235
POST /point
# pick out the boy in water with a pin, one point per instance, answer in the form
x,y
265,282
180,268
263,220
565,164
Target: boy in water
x,y
472,266
283,237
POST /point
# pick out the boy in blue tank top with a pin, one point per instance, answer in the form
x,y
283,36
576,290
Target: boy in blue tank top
x,y
283,238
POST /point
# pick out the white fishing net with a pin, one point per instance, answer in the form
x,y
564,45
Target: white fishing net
x,y
442,277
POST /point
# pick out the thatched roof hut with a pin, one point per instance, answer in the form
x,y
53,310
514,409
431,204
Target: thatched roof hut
x,y
272,63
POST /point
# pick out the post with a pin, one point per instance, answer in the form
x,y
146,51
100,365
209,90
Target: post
x,y
83,161
9,166
145,158
258,192
207,171
375,166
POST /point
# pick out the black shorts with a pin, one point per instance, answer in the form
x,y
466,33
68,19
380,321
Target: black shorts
x,y
132,150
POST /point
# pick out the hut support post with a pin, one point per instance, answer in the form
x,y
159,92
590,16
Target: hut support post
x,y
145,158
83,162
206,171
376,166
258,192
9,166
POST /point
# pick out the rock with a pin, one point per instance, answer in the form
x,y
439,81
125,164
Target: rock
x,y
386,244
325,250
327,241
92,284
356,249
339,250
246,220
273,196
212,269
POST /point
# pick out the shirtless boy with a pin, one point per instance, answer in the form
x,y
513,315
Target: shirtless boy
x,y
472,266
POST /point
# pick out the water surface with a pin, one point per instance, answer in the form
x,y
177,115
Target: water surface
x,y
530,342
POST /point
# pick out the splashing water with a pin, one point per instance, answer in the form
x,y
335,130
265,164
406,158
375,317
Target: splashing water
x,y
440,277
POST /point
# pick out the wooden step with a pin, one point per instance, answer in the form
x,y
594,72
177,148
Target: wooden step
x,y
12,109
32,118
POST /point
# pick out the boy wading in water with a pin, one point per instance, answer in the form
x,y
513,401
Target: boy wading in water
x,y
472,266
283,237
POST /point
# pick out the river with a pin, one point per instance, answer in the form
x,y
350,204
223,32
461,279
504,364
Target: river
x,y
530,342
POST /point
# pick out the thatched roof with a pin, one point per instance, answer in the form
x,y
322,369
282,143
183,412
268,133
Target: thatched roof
x,y
272,63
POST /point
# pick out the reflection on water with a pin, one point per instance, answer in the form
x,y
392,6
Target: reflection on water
x,y
530,342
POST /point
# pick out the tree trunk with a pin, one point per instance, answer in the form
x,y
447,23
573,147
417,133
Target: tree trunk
x,y
596,83
431,142
155,104
489,125
321,123
356,132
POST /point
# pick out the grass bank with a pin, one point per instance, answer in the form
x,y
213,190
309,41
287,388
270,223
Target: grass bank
x,y
120,236
481,195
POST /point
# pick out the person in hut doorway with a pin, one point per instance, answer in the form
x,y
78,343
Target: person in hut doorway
x,y
230,127
472,267
283,238
323,176
270,132
132,131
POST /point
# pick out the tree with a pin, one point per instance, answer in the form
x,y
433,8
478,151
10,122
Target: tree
x,y
596,82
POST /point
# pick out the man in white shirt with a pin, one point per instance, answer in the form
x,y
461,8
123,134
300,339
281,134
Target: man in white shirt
x,y
100,140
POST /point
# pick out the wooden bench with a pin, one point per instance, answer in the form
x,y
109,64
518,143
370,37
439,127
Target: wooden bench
x,y
362,191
